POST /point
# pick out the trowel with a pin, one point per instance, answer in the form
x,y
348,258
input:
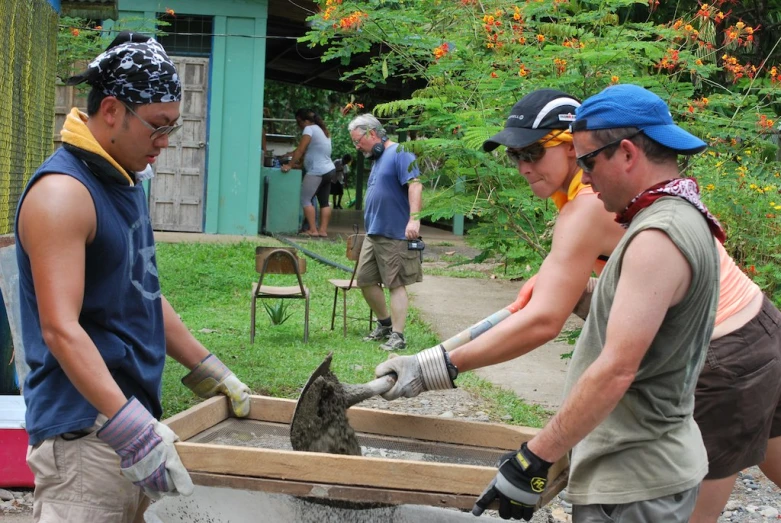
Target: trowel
x,y
320,420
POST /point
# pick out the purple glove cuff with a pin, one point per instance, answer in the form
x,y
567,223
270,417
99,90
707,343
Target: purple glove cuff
x,y
209,367
128,427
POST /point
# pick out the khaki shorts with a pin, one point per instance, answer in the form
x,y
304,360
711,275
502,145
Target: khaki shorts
x,y
388,261
738,397
79,480
675,508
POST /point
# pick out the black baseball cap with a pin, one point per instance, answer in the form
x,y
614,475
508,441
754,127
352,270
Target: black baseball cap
x,y
534,116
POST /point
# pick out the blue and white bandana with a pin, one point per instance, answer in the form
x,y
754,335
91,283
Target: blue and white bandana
x,y
135,69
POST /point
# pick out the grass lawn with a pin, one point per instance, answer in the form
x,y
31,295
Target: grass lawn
x,y
209,285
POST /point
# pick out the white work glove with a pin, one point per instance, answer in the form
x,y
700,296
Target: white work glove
x,y
146,450
429,369
211,377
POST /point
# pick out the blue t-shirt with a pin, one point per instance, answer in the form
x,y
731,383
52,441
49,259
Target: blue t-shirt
x,y
121,310
387,203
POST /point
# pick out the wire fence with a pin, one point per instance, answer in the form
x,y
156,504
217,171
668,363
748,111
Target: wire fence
x,y
27,70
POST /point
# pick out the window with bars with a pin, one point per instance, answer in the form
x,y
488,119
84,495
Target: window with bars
x,y
187,35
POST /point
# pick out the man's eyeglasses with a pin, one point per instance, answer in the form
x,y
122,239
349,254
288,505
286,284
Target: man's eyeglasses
x,y
366,133
588,160
530,154
157,132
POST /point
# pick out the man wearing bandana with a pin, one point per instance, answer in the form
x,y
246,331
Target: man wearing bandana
x,y
95,325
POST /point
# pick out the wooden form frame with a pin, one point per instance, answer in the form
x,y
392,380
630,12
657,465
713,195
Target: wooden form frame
x,y
351,478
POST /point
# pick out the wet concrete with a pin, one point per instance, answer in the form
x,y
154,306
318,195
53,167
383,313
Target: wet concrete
x,y
320,423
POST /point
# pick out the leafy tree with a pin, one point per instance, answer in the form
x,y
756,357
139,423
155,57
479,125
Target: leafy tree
x,y
476,58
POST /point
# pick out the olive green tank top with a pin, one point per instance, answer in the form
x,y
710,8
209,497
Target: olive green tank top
x,y
650,446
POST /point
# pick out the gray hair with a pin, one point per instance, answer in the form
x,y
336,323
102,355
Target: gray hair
x,y
366,122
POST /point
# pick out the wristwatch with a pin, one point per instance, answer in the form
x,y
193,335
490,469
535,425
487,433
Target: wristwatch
x,y
452,370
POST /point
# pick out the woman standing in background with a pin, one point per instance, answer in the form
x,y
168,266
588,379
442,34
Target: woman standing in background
x,y
315,151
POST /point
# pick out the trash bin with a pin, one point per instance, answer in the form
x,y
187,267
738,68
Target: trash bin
x,y
280,200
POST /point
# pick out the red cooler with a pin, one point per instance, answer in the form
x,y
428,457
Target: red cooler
x,y
14,471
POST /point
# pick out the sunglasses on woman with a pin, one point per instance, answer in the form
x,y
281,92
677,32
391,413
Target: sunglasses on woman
x,y
588,160
530,154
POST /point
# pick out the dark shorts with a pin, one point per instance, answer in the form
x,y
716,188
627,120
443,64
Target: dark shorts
x,y
319,186
737,400
337,189
388,261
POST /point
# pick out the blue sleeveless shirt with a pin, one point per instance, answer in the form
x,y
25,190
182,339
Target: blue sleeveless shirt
x,y
121,311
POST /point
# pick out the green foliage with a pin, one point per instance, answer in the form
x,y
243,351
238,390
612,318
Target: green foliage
x,y
80,40
472,60
277,313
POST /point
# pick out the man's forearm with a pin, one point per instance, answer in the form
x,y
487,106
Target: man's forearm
x,y
588,404
80,359
415,195
180,344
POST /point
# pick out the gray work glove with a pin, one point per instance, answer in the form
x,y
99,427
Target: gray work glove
x,y
146,450
429,369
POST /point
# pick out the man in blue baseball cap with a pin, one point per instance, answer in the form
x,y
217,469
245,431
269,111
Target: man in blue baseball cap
x,y
636,451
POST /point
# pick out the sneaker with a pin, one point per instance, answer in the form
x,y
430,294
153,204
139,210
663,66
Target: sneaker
x,y
380,332
395,342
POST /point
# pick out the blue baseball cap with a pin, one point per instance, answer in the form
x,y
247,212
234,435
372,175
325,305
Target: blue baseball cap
x,y
629,105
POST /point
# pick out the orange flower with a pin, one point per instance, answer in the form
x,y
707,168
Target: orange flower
x,y
441,51
494,75
614,79
719,17
523,72
169,11
353,21
98,28
540,38
74,31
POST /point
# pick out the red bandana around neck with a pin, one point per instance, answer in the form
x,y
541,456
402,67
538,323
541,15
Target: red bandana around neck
x,y
685,188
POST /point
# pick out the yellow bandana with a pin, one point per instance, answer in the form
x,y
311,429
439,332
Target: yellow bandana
x,y
76,133
555,137
575,187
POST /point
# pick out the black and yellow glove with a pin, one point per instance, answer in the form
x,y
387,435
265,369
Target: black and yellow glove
x,y
518,484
